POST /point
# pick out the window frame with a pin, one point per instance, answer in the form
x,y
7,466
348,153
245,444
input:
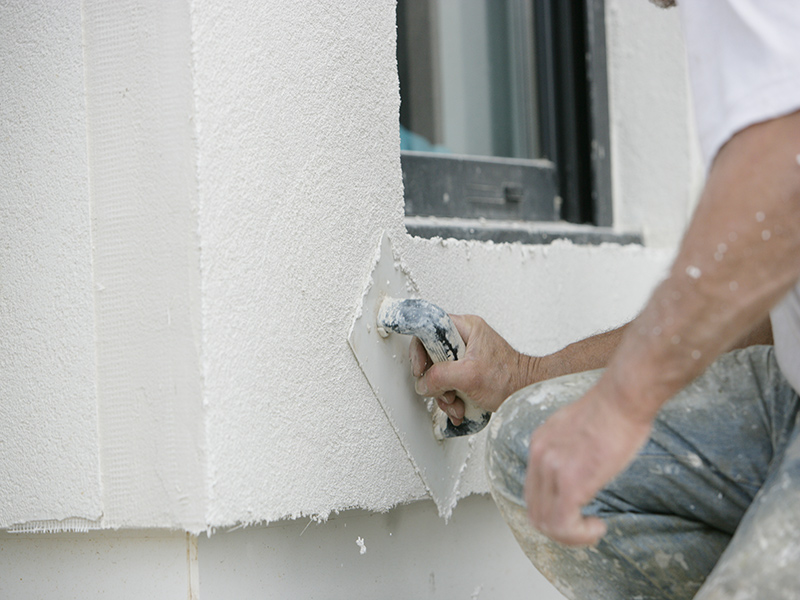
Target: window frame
x,y
572,194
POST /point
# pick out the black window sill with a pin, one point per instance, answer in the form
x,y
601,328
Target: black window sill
x,y
500,231
471,187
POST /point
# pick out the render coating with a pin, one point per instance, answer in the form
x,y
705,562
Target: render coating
x,y
243,162
49,454
299,174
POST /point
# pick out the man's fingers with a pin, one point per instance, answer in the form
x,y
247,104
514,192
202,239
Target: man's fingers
x,y
421,364
593,528
541,481
554,499
559,519
583,531
543,504
420,361
463,324
452,406
449,397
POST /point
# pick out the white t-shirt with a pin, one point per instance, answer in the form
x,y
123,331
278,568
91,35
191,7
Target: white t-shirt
x,y
744,65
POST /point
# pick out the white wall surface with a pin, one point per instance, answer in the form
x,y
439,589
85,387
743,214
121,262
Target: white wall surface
x,y
299,174
410,553
49,454
155,565
242,165
175,302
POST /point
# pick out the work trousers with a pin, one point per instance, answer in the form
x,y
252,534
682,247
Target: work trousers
x,y
709,508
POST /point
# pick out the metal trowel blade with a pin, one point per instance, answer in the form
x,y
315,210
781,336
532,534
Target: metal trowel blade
x,y
386,365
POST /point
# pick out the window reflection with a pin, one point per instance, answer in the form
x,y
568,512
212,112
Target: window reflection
x,y
467,73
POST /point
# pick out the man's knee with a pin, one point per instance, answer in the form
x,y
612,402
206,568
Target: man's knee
x,y
511,428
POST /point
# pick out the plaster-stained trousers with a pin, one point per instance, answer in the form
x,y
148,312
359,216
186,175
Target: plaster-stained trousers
x,y
710,508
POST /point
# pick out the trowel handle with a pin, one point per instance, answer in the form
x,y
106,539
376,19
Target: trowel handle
x,y
437,332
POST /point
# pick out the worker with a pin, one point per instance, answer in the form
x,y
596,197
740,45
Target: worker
x,y
662,459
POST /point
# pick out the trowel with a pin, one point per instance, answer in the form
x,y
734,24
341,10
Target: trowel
x,y
389,314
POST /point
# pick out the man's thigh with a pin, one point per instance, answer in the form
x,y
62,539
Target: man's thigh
x,y
762,559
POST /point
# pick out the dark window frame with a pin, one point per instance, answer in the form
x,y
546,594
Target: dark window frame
x,y
567,194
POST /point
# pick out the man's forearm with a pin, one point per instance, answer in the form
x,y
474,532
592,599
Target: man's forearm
x,y
596,351
740,255
586,355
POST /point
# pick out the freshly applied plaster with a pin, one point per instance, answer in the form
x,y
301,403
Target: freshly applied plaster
x,y
299,175
298,172
242,165
49,454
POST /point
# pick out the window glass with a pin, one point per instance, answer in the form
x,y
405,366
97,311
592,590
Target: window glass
x,y
467,77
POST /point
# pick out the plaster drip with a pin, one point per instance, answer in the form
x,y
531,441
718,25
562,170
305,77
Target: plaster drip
x,y
69,525
318,518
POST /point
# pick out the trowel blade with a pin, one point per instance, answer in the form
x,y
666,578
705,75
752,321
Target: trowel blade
x,y
386,365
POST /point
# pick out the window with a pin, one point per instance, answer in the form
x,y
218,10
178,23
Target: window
x,y
503,119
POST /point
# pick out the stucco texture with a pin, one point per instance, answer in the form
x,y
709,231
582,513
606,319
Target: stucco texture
x,y
191,197
299,175
49,453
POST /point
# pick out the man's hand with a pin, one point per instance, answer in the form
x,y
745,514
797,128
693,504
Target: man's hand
x,y
488,373
572,456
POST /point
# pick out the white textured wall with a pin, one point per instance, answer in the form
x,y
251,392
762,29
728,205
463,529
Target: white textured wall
x,y
298,171
49,459
299,174
175,302
100,382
